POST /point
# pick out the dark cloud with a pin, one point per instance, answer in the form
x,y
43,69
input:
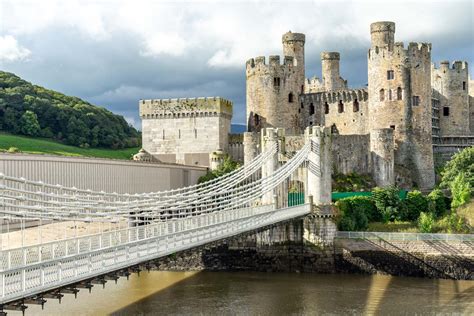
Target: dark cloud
x,y
112,70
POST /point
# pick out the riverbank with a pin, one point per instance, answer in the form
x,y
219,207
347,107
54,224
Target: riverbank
x,y
428,259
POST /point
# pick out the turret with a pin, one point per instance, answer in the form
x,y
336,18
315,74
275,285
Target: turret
x,y
293,45
330,70
452,85
382,34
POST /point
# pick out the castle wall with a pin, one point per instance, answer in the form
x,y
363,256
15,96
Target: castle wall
x,y
350,153
452,86
347,110
236,147
185,131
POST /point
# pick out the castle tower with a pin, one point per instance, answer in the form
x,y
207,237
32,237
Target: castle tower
x,y
382,35
400,98
330,71
452,88
273,88
293,45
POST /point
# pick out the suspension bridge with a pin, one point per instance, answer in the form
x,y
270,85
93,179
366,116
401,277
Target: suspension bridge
x,y
55,239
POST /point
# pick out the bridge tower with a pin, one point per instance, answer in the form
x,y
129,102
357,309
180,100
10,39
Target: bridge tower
x,y
271,137
319,166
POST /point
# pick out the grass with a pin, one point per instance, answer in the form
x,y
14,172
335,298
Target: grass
x,y
33,145
467,211
393,227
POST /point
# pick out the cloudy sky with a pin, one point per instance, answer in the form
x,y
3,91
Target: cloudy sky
x,y
113,53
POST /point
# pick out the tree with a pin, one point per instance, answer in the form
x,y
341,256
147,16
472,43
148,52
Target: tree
x,y
387,202
462,162
460,190
415,203
29,124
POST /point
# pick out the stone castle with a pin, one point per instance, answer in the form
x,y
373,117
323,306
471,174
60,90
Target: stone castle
x,y
411,114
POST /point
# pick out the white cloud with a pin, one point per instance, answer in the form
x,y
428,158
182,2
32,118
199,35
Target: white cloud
x,y
232,32
10,50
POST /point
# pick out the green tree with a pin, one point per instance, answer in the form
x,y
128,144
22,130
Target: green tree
x,y
437,202
29,124
460,191
460,162
415,203
387,201
228,165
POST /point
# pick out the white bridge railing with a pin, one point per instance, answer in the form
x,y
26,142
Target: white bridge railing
x,y
31,270
406,236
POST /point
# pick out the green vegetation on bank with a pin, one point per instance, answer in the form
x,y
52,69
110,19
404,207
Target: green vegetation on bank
x,y
228,165
30,110
14,143
436,212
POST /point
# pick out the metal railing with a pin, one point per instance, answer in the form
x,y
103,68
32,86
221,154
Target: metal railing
x,y
406,236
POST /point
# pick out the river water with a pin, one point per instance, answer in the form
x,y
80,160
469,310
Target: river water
x,y
246,293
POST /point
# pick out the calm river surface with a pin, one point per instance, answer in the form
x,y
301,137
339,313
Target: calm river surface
x,y
242,293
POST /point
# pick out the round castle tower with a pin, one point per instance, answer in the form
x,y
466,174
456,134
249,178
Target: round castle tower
x,y
273,89
399,87
451,85
330,71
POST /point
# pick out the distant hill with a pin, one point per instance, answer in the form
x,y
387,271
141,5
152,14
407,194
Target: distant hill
x,y
238,128
35,145
32,110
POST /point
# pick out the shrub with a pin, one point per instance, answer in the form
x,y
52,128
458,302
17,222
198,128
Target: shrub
x,y
425,222
353,213
452,223
228,165
437,202
460,190
413,205
13,150
387,202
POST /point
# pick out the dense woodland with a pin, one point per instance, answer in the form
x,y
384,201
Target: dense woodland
x,y
31,110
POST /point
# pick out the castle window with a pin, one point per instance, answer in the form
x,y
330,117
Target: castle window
x,y
355,105
195,133
290,97
340,107
179,134
326,108
464,85
163,134
311,109
392,127
276,82
302,105
399,93
415,100
256,119
390,94
382,95
445,111
302,89
390,75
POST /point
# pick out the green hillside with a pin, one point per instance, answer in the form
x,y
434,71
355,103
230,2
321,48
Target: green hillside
x,y
30,110
44,146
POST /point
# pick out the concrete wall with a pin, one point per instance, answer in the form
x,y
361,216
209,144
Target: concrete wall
x,y
107,175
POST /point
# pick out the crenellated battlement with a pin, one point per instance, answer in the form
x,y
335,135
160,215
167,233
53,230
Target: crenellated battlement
x,y
445,65
259,64
330,56
413,51
178,107
336,96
